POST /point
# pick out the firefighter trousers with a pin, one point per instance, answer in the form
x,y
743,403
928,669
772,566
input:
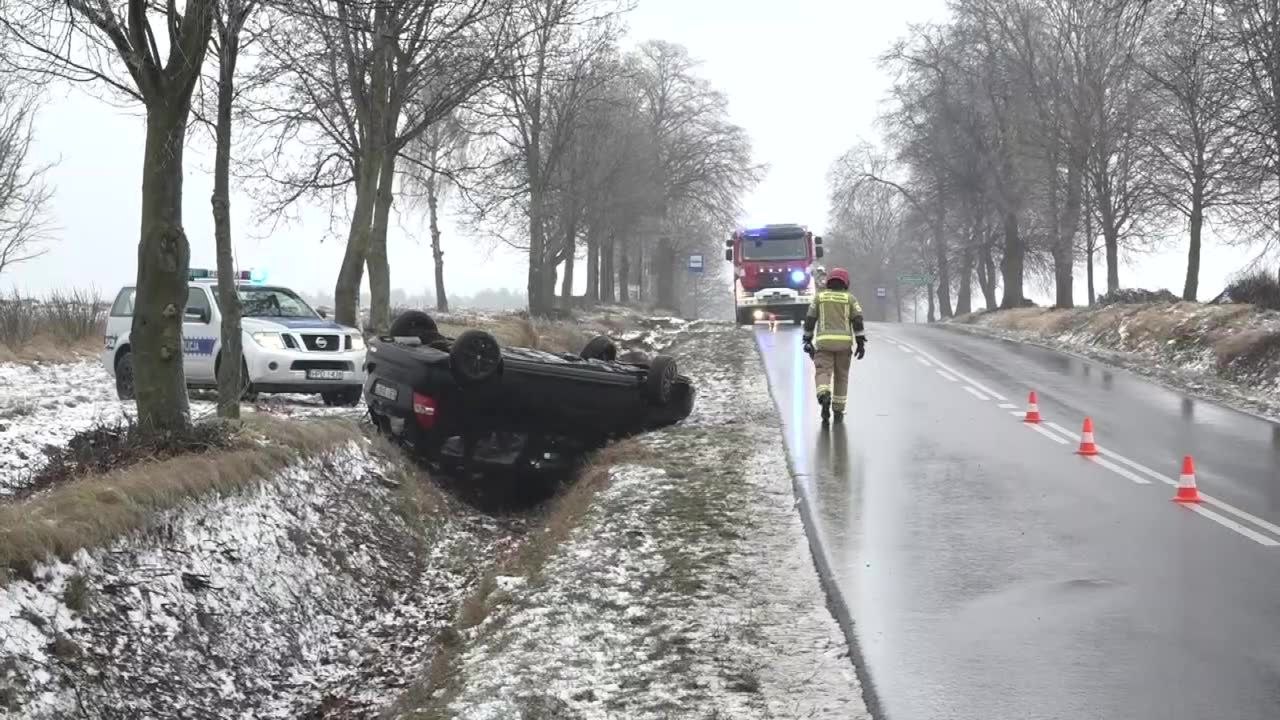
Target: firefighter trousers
x,y
831,375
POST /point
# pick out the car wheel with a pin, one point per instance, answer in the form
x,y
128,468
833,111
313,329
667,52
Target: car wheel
x,y
341,398
416,324
125,389
662,375
475,357
600,348
247,393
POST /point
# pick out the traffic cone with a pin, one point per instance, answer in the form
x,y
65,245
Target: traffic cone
x,y
1087,446
1033,409
1187,491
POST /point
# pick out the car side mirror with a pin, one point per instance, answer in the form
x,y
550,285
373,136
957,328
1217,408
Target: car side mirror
x,y
728,255
817,252
196,315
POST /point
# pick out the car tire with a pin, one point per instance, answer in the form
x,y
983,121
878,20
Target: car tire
x,y
662,375
416,324
125,388
247,393
341,398
601,347
475,357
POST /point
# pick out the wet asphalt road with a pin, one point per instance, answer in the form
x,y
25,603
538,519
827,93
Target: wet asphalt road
x,y
992,573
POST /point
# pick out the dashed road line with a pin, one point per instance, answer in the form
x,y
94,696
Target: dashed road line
x,y
923,362
981,392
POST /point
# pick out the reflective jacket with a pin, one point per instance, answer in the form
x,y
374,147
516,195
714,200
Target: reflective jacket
x,y
834,320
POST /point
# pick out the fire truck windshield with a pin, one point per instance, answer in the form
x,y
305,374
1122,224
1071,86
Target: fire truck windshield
x,y
775,249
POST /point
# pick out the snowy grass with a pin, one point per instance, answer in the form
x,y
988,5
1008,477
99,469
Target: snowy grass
x,y
1225,352
91,511
683,589
60,327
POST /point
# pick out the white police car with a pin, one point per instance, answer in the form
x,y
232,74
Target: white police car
x,y
287,346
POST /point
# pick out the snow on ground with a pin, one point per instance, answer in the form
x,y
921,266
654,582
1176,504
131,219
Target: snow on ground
x,y
320,586
46,404
687,591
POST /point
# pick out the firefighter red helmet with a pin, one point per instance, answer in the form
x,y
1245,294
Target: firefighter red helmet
x,y
839,274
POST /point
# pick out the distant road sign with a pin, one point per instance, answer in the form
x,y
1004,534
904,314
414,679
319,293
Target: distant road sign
x,y
907,279
695,263
881,292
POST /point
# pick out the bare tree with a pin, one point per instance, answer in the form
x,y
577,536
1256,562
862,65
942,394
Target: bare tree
x,y
352,84
24,194
114,45
437,157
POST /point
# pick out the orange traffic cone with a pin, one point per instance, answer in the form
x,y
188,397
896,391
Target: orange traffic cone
x,y
1087,446
1187,491
1033,409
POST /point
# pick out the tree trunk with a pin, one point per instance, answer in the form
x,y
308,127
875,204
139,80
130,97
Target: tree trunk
x,y
931,307
640,274
1011,265
379,265
346,293
228,370
1064,256
940,258
1192,286
566,284
964,299
593,266
1089,272
607,271
1111,235
664,260
163,261
437,253
624,272
987,275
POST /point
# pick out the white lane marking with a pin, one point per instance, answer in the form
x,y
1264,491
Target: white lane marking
x,y
1118,470
1233,525
975,393
1220,504
905,349
947,376
960,375
1009,406
1046,433
923,362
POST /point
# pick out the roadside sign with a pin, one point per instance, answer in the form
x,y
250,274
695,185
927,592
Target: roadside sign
x,y
881,292
908,279
695,263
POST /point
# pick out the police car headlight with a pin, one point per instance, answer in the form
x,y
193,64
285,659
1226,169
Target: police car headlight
x,y
270,341
357,342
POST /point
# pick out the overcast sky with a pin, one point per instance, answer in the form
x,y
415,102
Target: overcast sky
x,y
801,77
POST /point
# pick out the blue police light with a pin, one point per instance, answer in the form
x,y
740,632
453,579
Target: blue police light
x,y
797,277
257,276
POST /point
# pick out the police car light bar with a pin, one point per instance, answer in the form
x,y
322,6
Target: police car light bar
x,y
206,274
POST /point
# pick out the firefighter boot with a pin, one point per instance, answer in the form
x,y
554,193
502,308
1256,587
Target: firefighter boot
x,y
824,400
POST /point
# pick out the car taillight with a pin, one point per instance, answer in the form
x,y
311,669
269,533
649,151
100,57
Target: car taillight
x,y
424,410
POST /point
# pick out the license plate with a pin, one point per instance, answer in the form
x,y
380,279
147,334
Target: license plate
x,y
324,374
385,391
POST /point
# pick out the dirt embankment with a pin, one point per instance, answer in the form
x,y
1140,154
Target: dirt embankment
x,y
1227,352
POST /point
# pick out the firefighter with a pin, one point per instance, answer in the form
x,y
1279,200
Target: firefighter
x,y
837,318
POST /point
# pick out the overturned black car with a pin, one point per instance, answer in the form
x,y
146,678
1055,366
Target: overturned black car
x,y
467,402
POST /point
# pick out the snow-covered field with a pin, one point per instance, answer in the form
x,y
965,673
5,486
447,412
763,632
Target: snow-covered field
x,y
687,591
47,404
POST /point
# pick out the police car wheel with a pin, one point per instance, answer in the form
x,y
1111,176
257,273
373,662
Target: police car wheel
x,y
600,348
247,393
125,388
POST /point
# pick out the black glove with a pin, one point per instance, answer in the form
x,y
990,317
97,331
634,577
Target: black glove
x,y
862,347
808,347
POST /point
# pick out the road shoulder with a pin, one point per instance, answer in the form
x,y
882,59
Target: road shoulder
x,y
687,586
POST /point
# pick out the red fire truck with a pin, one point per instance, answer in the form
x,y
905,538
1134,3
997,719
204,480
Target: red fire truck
x,y
773,272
